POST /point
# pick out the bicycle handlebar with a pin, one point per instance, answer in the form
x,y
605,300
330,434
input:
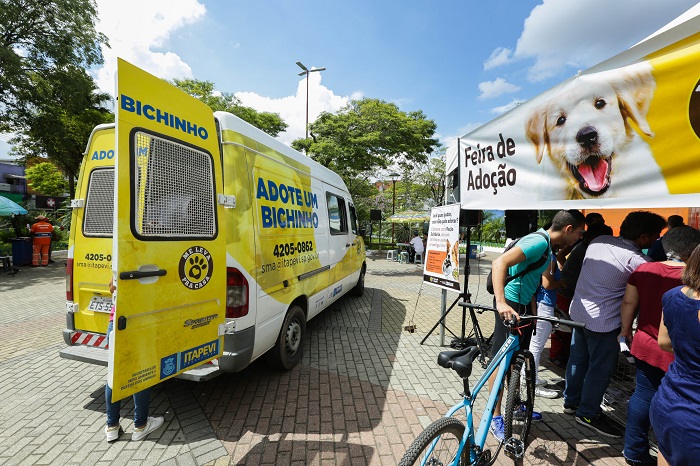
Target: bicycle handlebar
x,y
555,320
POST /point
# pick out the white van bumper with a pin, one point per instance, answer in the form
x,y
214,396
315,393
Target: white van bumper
x,y
95,355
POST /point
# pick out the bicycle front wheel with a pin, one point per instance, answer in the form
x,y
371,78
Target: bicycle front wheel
x,y
448,432
519,404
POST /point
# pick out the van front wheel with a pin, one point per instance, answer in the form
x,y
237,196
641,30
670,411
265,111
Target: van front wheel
x,y
288,349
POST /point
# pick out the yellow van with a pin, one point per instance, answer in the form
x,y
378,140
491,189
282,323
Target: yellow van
x,y
222,242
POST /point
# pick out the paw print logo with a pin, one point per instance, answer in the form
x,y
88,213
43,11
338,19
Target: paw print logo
x,y
197,266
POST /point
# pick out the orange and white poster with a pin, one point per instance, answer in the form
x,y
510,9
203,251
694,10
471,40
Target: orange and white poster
x,y
442,249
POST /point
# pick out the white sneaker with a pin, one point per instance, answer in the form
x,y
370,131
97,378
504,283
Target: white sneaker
x,y
543,392
113,433
152,424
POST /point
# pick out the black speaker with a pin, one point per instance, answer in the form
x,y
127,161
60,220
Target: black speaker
x,y
469,218
520,222
375,214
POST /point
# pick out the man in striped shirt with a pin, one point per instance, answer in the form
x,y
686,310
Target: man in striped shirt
x,y
597,302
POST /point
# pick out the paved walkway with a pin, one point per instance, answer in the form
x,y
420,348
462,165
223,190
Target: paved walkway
x,y
364,390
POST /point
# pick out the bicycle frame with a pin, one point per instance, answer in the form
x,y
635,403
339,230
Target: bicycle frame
x,y
500,361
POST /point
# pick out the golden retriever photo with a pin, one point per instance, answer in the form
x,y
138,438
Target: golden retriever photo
x,y
450,266
585,143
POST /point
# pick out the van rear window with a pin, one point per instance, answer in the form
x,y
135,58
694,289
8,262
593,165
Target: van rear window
x,y
99,204
174,189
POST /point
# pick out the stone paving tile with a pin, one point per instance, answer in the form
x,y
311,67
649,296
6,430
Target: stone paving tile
x,y
364,390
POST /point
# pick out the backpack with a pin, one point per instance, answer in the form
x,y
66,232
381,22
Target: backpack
x,y
535,265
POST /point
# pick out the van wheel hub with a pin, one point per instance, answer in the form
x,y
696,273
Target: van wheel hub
x,y
293,337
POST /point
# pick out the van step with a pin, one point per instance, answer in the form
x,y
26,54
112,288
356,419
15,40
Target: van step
x,y
95,355
201,373
90,354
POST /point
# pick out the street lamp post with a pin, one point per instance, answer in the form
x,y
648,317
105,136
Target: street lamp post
x,y
306,72
393,177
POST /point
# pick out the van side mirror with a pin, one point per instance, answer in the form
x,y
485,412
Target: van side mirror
x,y
363,232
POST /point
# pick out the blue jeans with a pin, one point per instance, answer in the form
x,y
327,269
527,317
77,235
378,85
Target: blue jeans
x,y
637,429
141,401
591,363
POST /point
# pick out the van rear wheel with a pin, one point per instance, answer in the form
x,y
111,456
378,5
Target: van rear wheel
x,y
359,289
288,349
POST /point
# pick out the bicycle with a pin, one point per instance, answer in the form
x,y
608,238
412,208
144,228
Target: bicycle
x,y
447,441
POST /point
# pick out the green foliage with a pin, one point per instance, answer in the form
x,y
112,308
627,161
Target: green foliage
x,y
269,122
45,178
363,191
60,126
368,135
422,186
544,217
37,37
493,227
15,226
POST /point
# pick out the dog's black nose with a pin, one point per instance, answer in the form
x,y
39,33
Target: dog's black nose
x,y
587,136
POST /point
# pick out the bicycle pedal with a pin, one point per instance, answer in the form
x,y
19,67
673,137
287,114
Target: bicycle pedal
x,y
484,458
514,448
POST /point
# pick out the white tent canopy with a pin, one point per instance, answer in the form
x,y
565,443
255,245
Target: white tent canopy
x,y
622,134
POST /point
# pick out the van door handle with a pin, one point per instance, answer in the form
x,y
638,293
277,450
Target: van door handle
x,y
347,245
136,274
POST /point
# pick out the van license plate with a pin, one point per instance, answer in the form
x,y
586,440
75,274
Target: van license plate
x,y
100,304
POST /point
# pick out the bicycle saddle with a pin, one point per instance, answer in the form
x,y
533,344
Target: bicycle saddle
x,y
459,361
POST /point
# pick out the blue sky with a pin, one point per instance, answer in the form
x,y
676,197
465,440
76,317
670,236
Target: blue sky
x,y
461,62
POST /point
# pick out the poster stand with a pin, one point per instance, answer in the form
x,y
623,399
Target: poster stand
x,y
460,342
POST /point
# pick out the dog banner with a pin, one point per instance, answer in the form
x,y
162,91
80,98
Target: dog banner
x,y
623,134
442,249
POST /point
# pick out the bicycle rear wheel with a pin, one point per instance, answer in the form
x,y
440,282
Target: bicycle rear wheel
x,y
519,404
448,432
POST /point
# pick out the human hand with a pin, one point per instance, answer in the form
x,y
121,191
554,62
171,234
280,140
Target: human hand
x,y
506,312
625,332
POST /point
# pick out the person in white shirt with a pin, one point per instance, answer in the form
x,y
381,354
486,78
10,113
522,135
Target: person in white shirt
x,y
416,246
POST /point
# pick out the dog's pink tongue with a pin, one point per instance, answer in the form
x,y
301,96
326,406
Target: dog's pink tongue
x,y
595,177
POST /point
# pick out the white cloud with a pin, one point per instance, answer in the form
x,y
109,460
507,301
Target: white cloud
x,y
134,37
500,56
509,106
495,88
562,34
451,140
292,108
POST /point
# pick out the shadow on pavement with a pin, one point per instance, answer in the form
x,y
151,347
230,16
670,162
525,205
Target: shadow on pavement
x,y
29,276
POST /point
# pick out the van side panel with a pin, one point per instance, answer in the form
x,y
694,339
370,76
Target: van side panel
x,y
284,210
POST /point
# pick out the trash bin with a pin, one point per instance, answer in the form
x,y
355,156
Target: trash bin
x,y
472,251
21,250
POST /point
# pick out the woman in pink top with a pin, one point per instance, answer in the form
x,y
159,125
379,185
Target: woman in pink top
x,y
645,287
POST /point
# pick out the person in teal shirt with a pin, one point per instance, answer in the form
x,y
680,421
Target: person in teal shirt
x,y
515,297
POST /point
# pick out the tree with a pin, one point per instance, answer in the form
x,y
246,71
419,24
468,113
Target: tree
x,y
59,127
269,122
368,135
45,178
493,227
423,185
38,37
363,195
